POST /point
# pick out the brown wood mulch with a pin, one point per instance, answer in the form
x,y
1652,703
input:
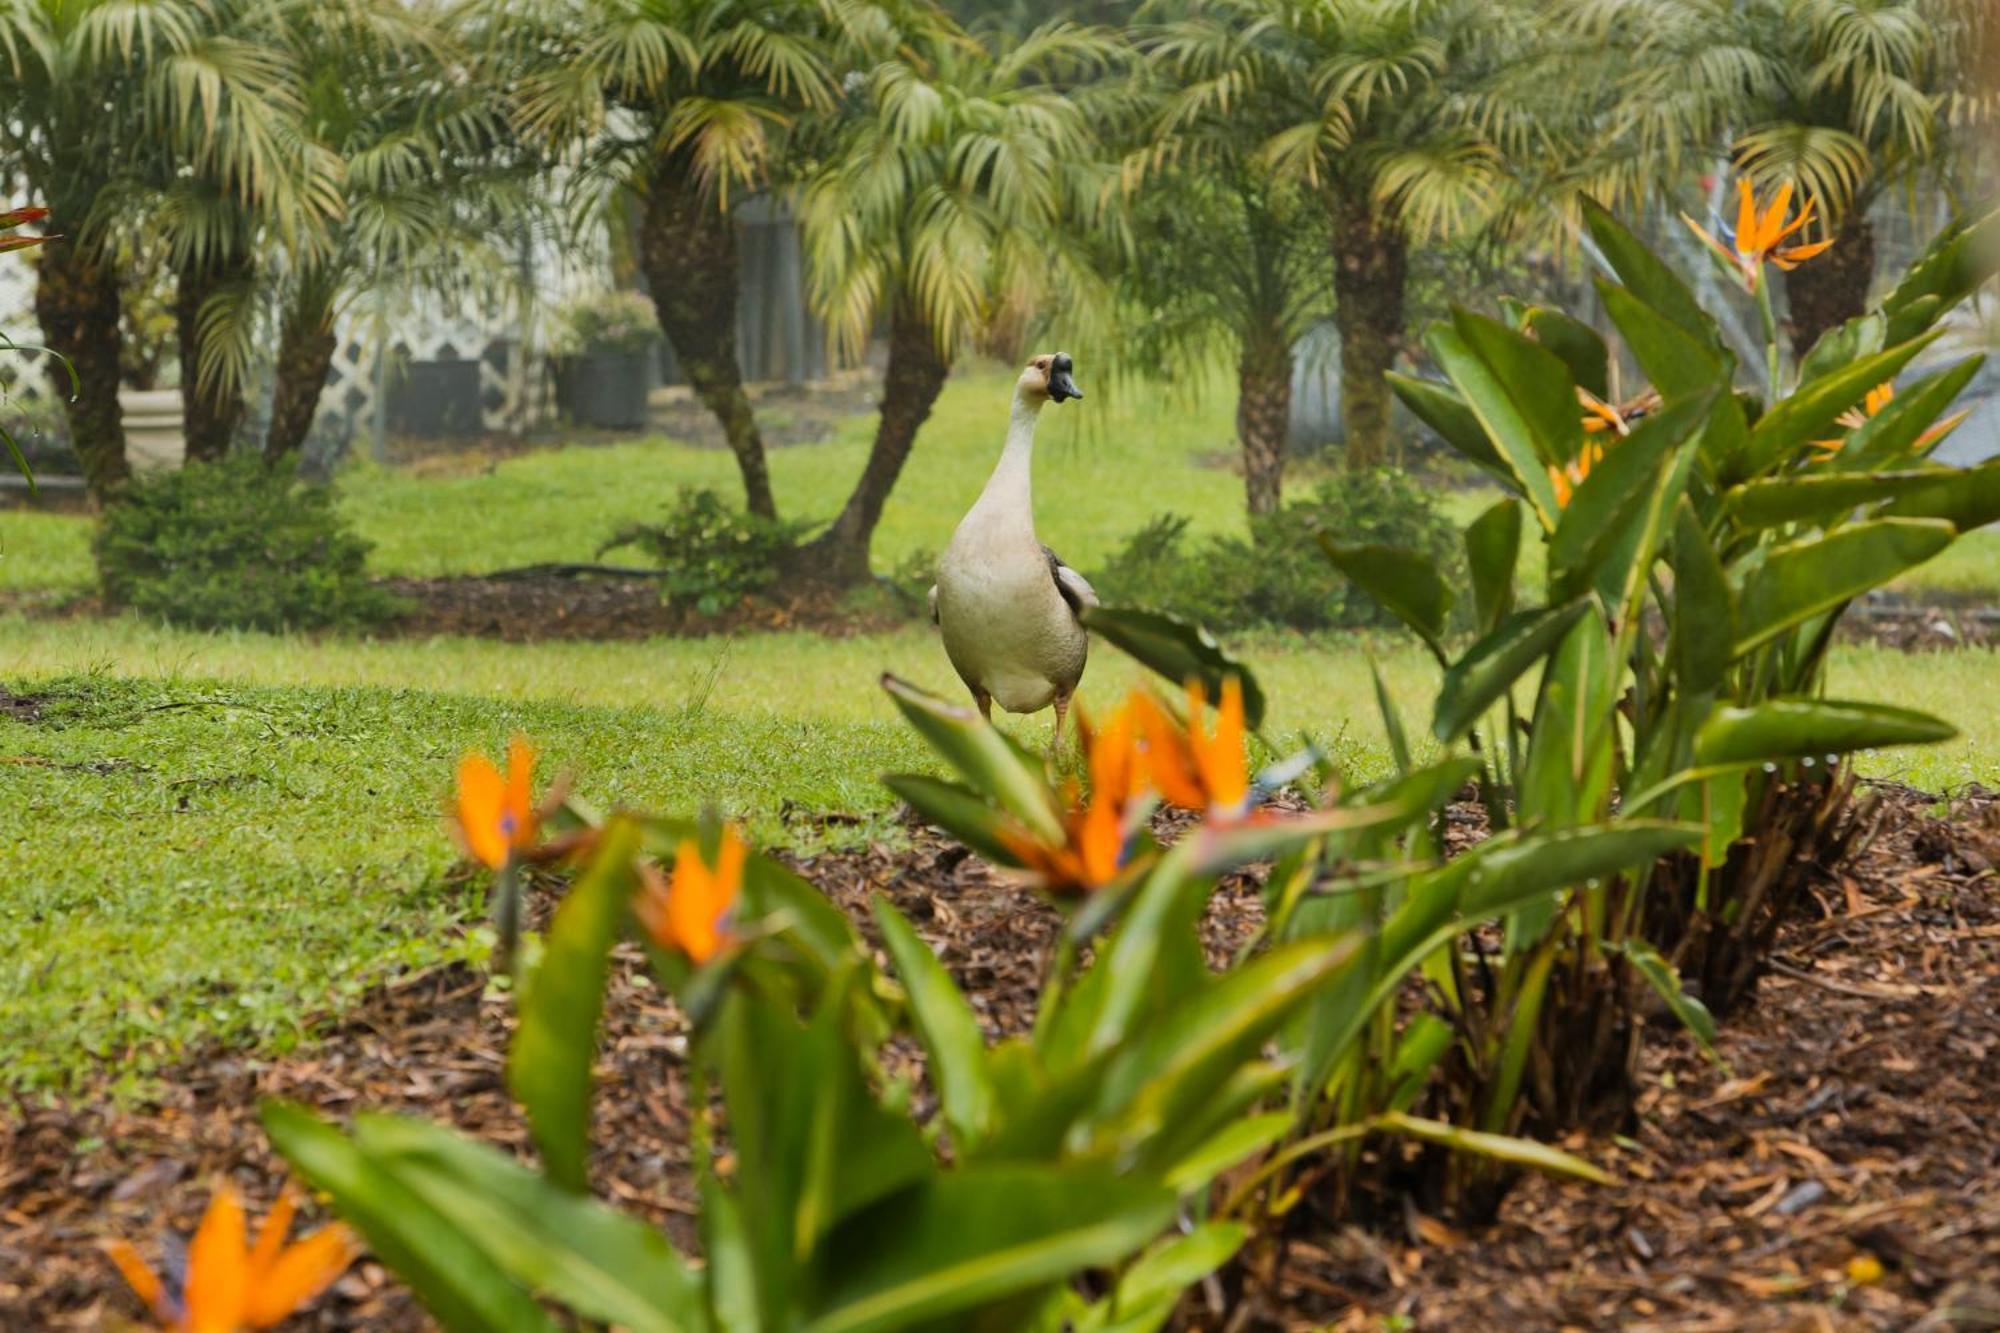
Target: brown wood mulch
x,y
1856,1125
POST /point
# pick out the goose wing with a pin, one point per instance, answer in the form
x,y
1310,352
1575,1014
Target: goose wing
x,y
1073,587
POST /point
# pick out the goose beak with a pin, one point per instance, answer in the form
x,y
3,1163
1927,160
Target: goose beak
x,y
1061,386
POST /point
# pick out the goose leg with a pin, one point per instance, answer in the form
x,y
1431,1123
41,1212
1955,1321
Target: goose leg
x,y
985,702
1062,707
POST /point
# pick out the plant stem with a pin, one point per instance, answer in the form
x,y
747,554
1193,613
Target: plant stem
x,y
1770,320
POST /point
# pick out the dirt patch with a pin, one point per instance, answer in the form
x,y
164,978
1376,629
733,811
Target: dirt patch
x,y
1856,1117
549,606
22,707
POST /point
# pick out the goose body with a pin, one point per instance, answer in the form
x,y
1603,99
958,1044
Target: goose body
x,y
1006,605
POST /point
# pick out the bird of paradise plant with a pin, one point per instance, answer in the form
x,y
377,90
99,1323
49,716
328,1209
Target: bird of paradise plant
x,y
1759,238
691,913
232,1285
495,821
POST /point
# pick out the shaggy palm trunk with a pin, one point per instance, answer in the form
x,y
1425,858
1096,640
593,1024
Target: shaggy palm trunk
x,y
1832,288
910,387
211,408
305,357
688,247
1264,415
76,302
1370,270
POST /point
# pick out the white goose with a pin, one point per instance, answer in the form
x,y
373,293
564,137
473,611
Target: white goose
x,y
1007,605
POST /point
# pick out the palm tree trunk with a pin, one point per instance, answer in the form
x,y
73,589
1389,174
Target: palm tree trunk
x,y
76,302
1830,289
910,386
305,357
1370,271
1263,415
688,247
211,411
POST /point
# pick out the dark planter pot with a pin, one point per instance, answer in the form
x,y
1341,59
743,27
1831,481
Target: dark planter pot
x,y
437,400
607,389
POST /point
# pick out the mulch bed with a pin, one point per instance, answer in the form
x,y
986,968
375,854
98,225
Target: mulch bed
x,y
540,607
1859,1114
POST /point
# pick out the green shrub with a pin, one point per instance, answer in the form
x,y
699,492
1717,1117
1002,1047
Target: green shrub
x,y
1279,577
236,545
711,554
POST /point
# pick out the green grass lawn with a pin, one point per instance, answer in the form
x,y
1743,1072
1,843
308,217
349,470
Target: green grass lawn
x,y
220,834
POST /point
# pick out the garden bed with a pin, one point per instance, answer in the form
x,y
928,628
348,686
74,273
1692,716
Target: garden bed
x,y
1854,1124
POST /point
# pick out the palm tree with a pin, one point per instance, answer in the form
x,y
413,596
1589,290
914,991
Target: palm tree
x,y
93,92
1222,255
681,103
1223,259
1847,99
433,187
962,171
1390,113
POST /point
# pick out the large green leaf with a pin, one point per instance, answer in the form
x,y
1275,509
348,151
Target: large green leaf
x,y
1817,497
812,1144
458,1283
1810,412
959,811
1440,408
1568,858
1151,1288
596,1261
1178,1062
1406,583
1780,729
1580,347
982,756
548,1067
1521,392
1177,650
1642,271
1863,335
977,1234
1490,667
1638,477
1676,361
1967,498
1799,581
946,1024
1492,552
1704,609
1961,258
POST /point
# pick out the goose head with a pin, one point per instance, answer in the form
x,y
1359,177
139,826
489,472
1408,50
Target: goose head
x,y
1047,380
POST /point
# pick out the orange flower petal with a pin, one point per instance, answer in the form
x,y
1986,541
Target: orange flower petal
x,y
1746,218
1170,765
301,1272
1225,772
1100,839
481,799
271,1239
1561,485
700,898
140,1276
518,811
1790,258
218,1282
1774,216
